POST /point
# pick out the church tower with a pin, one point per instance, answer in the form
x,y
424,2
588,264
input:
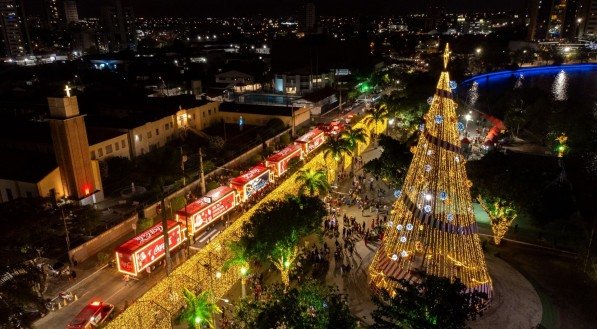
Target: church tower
x,y
79,174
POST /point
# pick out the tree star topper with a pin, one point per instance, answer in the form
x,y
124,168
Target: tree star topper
x,y
446,56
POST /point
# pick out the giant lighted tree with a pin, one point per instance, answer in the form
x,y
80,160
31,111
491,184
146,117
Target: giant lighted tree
x,y
432,228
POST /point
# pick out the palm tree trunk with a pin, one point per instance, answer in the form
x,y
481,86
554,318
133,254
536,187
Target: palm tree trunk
x,y
285,276
165,231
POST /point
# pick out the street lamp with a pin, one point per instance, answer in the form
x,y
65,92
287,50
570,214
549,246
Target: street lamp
x,y
243,280
468,117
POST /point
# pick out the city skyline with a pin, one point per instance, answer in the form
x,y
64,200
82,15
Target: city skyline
x,y
189,8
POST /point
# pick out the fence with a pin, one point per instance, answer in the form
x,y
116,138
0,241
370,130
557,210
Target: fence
x,y
102,241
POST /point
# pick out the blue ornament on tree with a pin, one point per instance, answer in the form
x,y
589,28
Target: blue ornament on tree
x,y
443,195
422,127
397,193
453,85
427,208
439,119
450,217
430,100
460,126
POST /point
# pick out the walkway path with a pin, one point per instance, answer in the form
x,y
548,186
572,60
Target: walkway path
x,y
515,305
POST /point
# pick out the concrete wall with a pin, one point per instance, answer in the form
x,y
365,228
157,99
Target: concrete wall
x,y
17,189
151,135
301,115
104,240
51,181
113,147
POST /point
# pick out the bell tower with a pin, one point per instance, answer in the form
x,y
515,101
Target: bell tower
x,y
79,174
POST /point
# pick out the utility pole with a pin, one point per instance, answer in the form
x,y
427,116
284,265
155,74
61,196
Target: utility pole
x,y
201,173
72,265
183,159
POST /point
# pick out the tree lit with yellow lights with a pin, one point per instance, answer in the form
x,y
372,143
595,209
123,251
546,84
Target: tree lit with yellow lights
x,y
432,228
501,214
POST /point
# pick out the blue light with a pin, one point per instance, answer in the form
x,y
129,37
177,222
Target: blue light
x,y
453,85
443,195
526,72
460,126
397,193
439,119
422,127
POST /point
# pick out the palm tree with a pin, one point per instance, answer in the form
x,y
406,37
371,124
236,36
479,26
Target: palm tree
x,y
239,258
313,181
376,116
354,136
200,310
336,149
159,166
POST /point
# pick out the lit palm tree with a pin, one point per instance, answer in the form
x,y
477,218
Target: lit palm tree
x,y
313,181
336,149
239,258
354,136
200,310
376,116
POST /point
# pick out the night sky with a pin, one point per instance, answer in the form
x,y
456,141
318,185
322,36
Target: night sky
x,y
202,8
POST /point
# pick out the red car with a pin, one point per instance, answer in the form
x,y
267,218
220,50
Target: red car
x,y
94,314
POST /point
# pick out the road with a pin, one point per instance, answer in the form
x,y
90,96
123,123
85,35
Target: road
x,y
108,285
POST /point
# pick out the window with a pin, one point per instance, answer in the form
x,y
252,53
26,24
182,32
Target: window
x,y
157,131
117,146
108,149
166,126
92,155
123,143
171,124
149,134
204,114
209,112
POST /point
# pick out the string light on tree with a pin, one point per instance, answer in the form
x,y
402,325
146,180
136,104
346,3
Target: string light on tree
x,y
501,214
440,237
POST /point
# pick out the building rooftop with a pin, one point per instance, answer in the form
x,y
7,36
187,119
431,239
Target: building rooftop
x,y
97,135
256,109
27,167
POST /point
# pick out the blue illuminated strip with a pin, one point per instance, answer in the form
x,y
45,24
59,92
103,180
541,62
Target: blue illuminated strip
x,y
531,71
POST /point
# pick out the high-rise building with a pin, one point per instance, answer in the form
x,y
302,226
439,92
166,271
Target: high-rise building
x,y
308,19
13,28
587,20
71,14
556,19
52,17
118,23
570,23
540,17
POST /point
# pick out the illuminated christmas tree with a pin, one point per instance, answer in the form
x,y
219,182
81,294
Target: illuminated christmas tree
x,y
432,228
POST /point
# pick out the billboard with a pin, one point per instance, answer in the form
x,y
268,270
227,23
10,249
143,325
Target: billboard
x,y
256,184
147,248
213,210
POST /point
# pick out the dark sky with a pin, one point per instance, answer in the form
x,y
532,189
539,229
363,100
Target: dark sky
x,y
199,8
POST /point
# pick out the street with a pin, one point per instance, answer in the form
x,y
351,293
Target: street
x,y
107,284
